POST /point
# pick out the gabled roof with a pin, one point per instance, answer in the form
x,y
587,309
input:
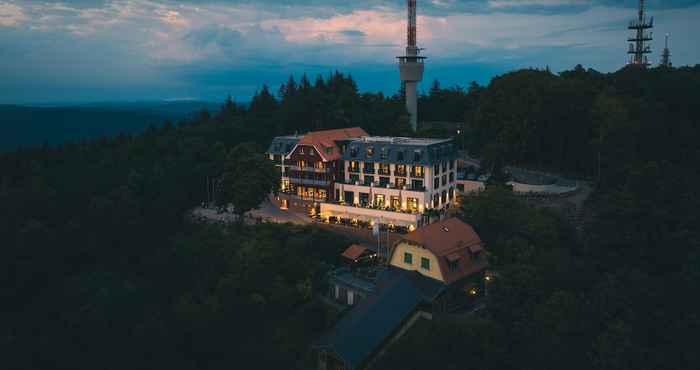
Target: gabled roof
x,y
354,252
362,332
453,241
324,141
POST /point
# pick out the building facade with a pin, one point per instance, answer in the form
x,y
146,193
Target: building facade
x,y
353,177
310,164
394,180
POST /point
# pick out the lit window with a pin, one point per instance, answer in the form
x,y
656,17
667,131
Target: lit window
x,y
417,171
408,258
370,151
424,263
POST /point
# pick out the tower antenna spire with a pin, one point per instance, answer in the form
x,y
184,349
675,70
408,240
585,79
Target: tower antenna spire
x,y
412,65
638,41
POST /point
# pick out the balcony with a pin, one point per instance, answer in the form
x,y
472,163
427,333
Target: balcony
x,y
400,173
354,169
308,169
368,170
384,172
386,215
378,185
299,181
416,175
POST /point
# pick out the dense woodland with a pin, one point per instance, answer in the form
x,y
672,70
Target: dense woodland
x,y
101,268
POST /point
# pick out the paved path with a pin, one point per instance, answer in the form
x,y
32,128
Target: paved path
x,y
270,212
267,211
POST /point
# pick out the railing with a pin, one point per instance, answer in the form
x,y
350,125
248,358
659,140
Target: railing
x,y
308,169
400,173
373,207
383,172
416,175
296,180
368,170
379,185
354,169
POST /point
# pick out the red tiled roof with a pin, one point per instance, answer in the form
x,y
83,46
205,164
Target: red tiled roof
x,y
321,140
452,240
354,252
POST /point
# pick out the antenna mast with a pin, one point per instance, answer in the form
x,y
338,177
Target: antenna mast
x,y
638,41
411,66
412,26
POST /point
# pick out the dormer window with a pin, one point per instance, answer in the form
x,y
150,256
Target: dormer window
x,y
370,151
353,151
399,155
453,265
417,155
384,153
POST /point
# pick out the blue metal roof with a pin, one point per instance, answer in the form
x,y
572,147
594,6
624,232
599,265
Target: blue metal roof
x,y
282,145
359,334
401,150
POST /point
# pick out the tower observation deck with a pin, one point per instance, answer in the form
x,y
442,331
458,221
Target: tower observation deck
x,y
639,49
411,66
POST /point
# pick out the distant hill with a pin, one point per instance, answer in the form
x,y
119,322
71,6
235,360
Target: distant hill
x,y
28,126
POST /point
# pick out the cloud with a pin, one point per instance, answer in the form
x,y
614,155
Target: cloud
x,y
204,48
352,33
11,15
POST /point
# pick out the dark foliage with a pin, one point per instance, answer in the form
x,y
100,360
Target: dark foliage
x,y
621,295
100,269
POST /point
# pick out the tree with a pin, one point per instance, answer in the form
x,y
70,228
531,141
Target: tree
x,y
247,180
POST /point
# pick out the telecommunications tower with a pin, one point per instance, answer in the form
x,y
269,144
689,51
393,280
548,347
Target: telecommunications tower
x,y
666,56
638,41
411,66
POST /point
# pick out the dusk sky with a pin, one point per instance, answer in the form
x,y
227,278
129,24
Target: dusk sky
x,y
129,50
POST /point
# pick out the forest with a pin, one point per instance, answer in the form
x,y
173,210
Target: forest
x,y
102,269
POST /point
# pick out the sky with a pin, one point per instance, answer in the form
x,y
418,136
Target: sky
x,y
78,51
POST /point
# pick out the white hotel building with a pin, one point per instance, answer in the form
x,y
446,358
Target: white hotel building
x,y
390,180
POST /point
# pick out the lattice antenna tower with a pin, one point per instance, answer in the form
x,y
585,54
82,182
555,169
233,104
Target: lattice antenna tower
x,y
640,38
666,55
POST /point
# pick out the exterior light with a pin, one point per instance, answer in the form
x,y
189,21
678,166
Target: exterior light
x,y
488,278
472,291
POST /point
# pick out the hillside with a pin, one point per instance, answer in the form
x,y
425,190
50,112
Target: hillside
x,y
25,126
96,255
